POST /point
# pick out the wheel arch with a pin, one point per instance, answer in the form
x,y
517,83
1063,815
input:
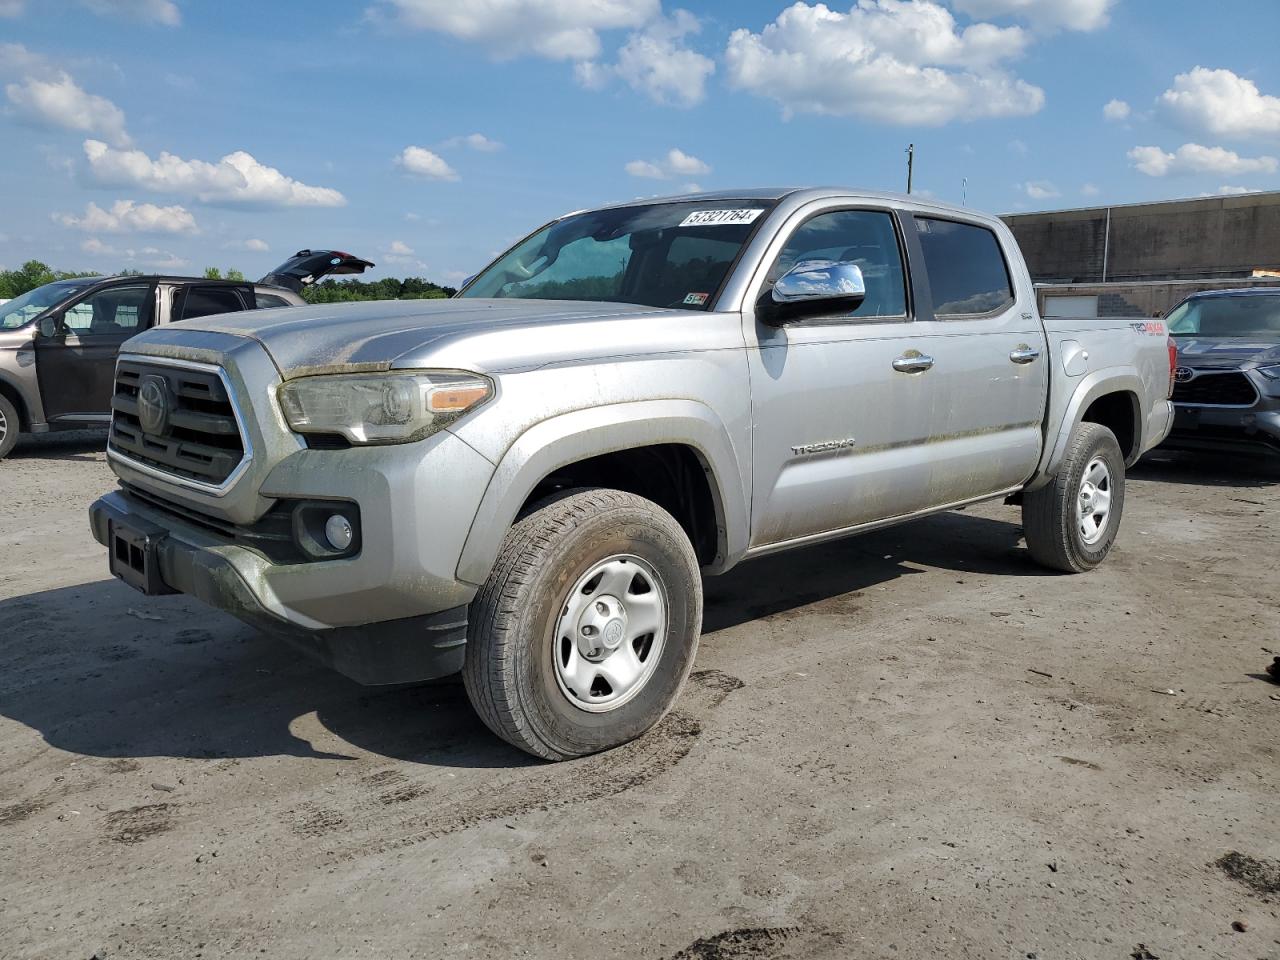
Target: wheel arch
x,y
595,446
1107,397
14,395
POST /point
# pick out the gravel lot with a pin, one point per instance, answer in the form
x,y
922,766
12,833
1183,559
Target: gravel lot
x,y
910,745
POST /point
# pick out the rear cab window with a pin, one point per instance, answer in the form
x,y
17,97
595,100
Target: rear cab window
x,y
967,271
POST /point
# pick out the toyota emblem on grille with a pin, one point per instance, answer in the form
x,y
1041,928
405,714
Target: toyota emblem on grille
x,y
1184,375
153,405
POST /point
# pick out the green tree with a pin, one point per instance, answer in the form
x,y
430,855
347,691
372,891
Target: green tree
x,y
212,273
234,274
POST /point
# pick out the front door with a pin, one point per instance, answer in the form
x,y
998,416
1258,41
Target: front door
x,y
76,366
842,405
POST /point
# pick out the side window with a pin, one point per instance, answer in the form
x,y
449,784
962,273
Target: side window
x,y
265,301
967,271
116,310
205,301
864,237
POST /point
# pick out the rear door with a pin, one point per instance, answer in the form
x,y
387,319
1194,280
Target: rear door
x,y
993,363
75,367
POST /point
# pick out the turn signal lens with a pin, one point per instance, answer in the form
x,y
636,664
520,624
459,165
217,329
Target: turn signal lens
x,y
457,398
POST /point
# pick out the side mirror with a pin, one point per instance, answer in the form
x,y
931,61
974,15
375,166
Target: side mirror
x,y
48,327
812,288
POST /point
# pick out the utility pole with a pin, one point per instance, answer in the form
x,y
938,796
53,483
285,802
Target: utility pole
x,y
911,163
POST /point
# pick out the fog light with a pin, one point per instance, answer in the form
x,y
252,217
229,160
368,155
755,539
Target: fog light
x,y
337,530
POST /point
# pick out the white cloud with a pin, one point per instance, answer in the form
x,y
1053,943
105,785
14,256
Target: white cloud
x,y
1090,190
556,29
474,141
657,63
58,101
1082,15
12,8
1195,158
152,11
1116,110
890,61
676,163
238,178
125,216
412,217
1040,190
1221,103
152,258
1228,191
421,162
399,248
252,245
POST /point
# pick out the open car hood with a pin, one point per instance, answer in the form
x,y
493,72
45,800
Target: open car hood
x,y
307,266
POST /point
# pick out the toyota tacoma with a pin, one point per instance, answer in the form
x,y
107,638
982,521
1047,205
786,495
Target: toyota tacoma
x,y
528,482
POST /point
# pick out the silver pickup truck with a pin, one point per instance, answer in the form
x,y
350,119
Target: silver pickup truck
x,y
527,482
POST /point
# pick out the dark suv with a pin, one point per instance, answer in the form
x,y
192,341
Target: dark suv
x,y
1227,384
58,343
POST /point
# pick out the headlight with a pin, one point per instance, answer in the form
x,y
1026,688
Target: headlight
x,y
382,407
1272,372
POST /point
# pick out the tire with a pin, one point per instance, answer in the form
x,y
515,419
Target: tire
x,y
526,672
1054,517
9,427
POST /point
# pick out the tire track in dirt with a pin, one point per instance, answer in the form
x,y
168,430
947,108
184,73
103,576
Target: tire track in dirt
x,y
513,793
762,943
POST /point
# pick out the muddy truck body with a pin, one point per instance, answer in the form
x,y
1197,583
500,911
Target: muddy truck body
x,y
527,483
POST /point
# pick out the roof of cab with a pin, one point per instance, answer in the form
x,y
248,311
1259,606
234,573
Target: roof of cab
x,y
776,194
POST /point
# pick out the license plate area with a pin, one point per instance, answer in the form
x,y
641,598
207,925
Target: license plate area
x,y
134,556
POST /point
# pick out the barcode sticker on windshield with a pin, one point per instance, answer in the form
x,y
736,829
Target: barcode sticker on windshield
x,y
719,218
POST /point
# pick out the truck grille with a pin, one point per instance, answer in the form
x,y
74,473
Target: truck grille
x,y
175,419
1217,389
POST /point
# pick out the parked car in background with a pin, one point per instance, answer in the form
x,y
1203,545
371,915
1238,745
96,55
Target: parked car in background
x,y
527,482
58,343
1227,384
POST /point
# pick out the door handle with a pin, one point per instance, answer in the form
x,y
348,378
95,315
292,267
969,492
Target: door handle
x,y
1024,354
913,362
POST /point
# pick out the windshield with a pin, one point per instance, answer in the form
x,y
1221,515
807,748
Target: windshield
x,y
31,304
1251,316
659,255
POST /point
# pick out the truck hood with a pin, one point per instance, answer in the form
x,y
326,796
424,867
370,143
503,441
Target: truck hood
x,y
382,334
1226,352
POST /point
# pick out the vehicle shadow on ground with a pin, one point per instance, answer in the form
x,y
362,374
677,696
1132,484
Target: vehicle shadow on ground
x,y
68,445
958,541
1208,470
99,670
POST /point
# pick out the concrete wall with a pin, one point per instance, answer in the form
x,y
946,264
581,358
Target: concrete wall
x,y
1214,237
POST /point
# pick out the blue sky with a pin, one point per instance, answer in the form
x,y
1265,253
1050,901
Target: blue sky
x,y
429,134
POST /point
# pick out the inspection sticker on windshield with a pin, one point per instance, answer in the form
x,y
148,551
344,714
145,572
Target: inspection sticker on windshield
x,y
696,299
719,218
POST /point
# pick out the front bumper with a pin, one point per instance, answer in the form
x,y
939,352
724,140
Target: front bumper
x,y
1226,429
197,563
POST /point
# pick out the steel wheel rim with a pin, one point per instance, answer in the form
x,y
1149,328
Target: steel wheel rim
x,y
4,426
1093,503
610,633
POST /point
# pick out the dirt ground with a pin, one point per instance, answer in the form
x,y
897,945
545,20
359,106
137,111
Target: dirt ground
x,y
914,744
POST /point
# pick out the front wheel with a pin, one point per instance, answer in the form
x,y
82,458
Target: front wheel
x,y
8,426
1071,523
586,628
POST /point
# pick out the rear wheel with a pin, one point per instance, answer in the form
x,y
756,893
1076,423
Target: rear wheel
x,y
8,426
1071,523
585,630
